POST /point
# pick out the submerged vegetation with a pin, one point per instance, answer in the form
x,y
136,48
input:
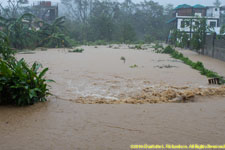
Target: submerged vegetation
x,y
123,59
134,66
77,50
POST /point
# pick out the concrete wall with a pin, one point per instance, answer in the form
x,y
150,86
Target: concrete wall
x,y
214,47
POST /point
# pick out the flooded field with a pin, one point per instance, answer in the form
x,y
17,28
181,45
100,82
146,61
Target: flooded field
x,y
78,115
99,75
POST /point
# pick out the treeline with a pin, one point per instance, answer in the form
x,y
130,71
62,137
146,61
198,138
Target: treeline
x,y
107,20
27,31
86,21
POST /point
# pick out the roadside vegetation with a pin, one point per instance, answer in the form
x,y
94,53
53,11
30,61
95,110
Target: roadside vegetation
x,y
20,84
195,65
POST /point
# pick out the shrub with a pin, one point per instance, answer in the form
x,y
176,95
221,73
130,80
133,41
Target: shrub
x,y
134,66
137,46
21,85
5,51
100,42
123,59
56,40
78,50
168,50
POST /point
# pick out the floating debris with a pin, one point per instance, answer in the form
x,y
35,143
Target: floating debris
x,y
152,95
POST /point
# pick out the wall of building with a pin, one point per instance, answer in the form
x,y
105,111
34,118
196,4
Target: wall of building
x,y
215,47
213,12
187,28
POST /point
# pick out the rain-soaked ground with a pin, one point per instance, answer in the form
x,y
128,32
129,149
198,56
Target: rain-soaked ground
x,y
98,76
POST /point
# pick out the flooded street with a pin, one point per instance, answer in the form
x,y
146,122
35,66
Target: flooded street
x,y
69,120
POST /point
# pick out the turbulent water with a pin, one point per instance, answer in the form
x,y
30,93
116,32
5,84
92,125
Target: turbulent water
x,y
100,75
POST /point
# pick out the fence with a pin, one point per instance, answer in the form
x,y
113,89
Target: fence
x,y
214,47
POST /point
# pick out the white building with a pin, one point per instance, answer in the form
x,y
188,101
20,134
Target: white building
x,y
186,17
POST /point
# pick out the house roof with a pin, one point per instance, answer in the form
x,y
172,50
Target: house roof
x,y
199,6
189,6
183,6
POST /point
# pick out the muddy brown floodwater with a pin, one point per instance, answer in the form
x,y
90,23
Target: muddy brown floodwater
x,y
78,116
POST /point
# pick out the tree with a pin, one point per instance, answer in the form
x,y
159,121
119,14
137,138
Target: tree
x,y
127,33
13,9
222,30
109,20
200,29
217,3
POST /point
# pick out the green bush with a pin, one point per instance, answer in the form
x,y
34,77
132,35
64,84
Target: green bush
x,y
100,42
5,51
21,85
168,50
137,46
78,50
134,66
56,40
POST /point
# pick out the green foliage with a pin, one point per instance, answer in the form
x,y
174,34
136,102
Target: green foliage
x,y
200,28
195,65
53,36
5,51
128,34
124,22
56,40
149,39
100,42
21,85
26,32
197,41
78,50
222,29
20,32
158,47
168,50
137,46
134,66
123,59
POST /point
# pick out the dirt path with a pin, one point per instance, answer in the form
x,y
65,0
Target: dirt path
x,y
61,123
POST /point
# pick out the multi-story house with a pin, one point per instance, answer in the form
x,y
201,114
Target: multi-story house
x,y
45,10
186,16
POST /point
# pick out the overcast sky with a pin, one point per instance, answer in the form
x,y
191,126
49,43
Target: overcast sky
x,y
162,2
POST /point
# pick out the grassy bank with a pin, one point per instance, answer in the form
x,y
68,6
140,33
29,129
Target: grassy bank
x,y
195,65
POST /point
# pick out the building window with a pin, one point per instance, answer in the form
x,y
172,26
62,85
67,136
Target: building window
x,y
212,24
197,23
182,24
185,24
